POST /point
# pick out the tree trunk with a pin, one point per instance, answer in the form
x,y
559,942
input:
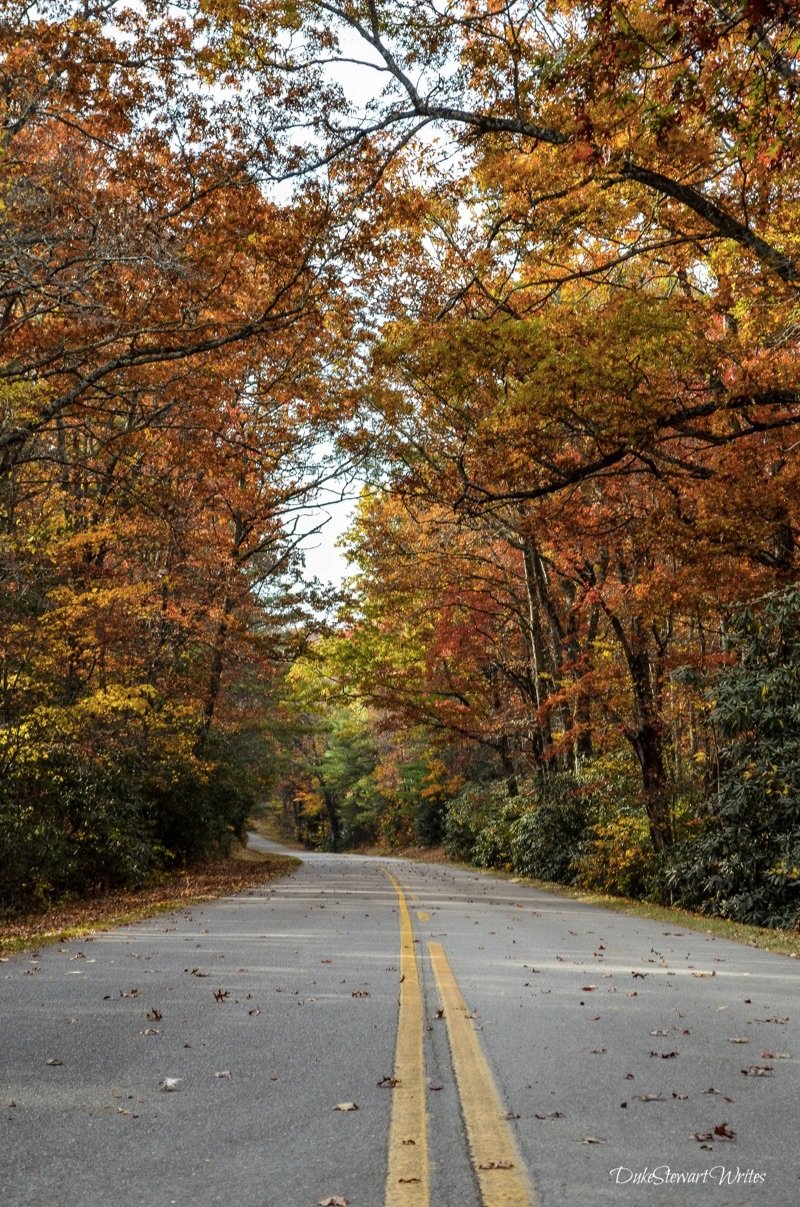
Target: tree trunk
x,y
646,736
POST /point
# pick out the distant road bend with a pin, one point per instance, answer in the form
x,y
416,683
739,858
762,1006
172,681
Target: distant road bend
x,y
384,1033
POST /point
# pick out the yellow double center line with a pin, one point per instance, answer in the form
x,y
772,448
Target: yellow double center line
x,y
407,1178
498,1165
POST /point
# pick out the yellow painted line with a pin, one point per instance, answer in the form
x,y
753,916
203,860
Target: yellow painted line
x,y
407,1178
423,917
498,1164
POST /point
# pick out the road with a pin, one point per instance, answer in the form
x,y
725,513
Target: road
x,y
503,1047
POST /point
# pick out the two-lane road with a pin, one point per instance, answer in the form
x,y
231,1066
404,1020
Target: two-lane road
x,y
502,1047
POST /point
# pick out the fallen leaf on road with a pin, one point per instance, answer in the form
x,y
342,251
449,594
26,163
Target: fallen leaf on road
x,y
388,1083
593,1140
53,1060
552,1115
255,1010
497,1165
650,1098
221,994
155,1016
346,1106
333,1200
719,1093
723,1132
776,1056
359,993
680,1097
170,1084
758,1071
150,1031
129,993
226,1073
702,1136
704,974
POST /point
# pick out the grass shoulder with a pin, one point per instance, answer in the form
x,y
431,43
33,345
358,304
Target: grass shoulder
x,y
243,869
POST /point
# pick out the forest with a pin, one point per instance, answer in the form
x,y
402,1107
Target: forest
x,y
527,273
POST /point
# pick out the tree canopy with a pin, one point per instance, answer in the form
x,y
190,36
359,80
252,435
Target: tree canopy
x,y
533,269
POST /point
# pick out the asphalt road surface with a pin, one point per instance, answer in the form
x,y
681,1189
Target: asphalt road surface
x,y
485,1043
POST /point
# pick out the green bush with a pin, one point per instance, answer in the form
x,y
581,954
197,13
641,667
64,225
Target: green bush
x,y
70,826
494,845
547,838
75,825
475,808
744,862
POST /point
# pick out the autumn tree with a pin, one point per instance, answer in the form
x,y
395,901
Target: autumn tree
x,y
165,350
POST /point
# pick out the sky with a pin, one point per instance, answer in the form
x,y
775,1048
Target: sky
x,y
323,560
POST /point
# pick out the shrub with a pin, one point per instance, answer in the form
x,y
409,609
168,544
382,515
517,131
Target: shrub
x,y
546,839
494,845
617,858
745,861
468,814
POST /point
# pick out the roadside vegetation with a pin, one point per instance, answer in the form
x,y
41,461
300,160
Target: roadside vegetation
x,y
81,916
528,274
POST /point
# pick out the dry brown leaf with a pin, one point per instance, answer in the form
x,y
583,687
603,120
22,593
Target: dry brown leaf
x,y
719,1094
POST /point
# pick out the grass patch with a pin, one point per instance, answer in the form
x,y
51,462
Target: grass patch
x,y
71,919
